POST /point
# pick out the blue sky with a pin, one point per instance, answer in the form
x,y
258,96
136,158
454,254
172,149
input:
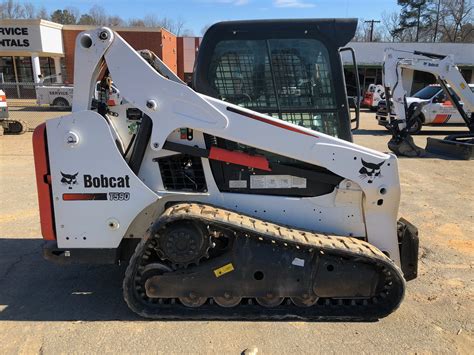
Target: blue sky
x,y
198,13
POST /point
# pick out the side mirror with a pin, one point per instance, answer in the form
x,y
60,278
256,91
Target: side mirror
x,y
435,100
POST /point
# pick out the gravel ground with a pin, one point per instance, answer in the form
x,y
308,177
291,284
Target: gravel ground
x,y
45,308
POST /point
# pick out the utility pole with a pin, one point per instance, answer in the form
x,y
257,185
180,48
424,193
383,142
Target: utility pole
x,y
420,4
437,21
372,28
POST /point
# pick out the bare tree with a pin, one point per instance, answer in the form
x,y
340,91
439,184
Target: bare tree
x,y
98,15
30,10
205,28
456,18
151,21
363,32
178,27
136,22
42,13
115,21
167,23
390,23
175,26
11,9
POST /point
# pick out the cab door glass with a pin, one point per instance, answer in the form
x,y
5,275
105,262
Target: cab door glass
x,y
290,79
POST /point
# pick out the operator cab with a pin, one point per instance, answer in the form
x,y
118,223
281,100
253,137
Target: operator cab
x,y
290,69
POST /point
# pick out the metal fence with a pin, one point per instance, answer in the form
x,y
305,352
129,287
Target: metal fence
x,y
23,106
19,91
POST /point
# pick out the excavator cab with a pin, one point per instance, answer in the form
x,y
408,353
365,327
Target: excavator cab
x,y
289,69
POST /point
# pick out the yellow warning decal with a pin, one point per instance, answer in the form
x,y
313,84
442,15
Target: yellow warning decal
x,y
224,270
462,85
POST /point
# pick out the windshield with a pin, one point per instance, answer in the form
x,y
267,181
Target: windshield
x,y
427,92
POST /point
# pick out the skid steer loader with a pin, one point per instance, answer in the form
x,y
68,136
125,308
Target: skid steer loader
x,y
220,212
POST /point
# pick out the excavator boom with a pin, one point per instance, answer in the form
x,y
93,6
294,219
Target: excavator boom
x,y
448,75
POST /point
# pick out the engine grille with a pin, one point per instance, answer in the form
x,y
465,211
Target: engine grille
x,y
182,173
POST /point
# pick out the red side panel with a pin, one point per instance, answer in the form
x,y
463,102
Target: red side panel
x,y
239,158
43,180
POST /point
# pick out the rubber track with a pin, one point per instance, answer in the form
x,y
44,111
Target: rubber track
x,y
326,309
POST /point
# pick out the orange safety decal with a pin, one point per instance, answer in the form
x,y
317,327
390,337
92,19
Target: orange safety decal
x,y
441,118
239,158
43,182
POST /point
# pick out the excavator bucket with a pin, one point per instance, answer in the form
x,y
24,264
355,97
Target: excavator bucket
x,y
405,147
460,146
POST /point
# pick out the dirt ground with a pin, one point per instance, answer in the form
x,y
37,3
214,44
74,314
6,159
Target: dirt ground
x,y
46,308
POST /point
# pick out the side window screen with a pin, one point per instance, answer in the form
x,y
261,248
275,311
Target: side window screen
x,y
237,73
285,78
302,73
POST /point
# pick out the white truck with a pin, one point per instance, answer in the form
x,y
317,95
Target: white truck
x,y
438,109
60,96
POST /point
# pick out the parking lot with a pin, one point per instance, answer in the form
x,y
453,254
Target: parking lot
x,y
46,308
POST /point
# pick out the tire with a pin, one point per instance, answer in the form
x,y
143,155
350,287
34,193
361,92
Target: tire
x,y
61,103
417,117
417,125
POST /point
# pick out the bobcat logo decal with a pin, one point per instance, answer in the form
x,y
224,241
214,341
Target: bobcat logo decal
x,y
69,180
370,171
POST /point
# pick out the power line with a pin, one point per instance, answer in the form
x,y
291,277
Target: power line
x,y
372,28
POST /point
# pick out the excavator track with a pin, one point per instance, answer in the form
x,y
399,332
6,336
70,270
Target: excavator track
x,y
318,247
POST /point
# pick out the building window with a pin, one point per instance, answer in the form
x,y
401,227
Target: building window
x,y
467,74
47,66
64,71
6,68
24,69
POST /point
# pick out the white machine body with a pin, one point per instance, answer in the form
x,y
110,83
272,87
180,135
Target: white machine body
x,y
98,200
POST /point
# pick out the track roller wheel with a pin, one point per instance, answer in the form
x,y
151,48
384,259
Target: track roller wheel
x,y
228,300
269,301
193,300
305,301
